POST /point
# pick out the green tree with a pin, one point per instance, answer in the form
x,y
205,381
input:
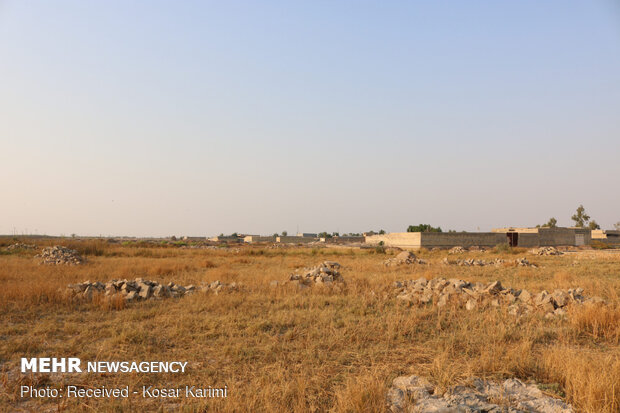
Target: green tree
x,y
381,232
580,217
423,228
284,233
552,223
593,225
324,234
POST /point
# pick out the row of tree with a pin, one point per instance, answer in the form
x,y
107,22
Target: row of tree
x,y
581,219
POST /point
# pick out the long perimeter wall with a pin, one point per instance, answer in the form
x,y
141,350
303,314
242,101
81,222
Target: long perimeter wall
x,y
416,240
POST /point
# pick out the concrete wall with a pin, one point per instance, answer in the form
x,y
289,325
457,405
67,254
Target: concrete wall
x,y
606,236
416,240
528,240
258,238
462,239
226,239
295,240
562,236
410,240
344,240
613,237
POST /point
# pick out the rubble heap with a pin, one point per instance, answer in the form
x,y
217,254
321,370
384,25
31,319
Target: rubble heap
x,y
478,295
416,394
58,255
20,246
323,274
546,251
140,289
472,262
456,250
405,257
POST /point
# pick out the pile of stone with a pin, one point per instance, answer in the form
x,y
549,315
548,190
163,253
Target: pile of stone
x,y
461,293
131,290
20,246
323,274
456,250
140,289
546,251
58,255
471,262
403,258
416,394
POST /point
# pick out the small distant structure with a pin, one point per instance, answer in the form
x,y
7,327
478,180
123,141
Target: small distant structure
x,y
252,239
307,235
608,236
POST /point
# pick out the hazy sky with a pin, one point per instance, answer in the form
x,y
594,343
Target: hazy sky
x,y
195,118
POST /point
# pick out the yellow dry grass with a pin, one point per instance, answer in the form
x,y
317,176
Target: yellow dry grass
x,y
278,349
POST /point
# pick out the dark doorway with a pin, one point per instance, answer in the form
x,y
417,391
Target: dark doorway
x,y
513,238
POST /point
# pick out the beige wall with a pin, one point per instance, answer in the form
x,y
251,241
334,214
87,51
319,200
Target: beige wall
x,y
294,240
409,240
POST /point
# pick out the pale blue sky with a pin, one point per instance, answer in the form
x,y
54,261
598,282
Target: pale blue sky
x,y
195,118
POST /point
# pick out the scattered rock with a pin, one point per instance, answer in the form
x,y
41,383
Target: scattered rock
x,y
416,394
58,255
216,287
20,246
478,295
403,258
546,251
523,262
471,262
456,250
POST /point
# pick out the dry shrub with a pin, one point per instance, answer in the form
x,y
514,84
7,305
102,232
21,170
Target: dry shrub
x,y
209,264
597,321
109,303
445,370
564,278
362,393
428,274
167,268
591,381
524,272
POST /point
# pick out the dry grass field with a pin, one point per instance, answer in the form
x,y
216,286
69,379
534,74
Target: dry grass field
x,y
316,350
